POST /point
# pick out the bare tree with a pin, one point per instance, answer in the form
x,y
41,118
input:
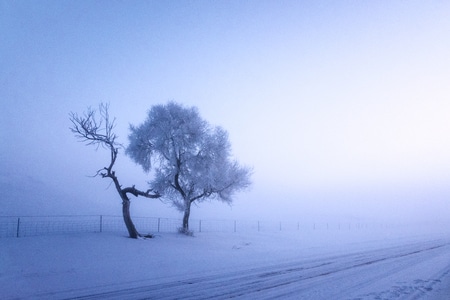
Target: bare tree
x,y
99,132
192,160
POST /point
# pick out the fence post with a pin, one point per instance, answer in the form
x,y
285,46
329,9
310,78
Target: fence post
x,y
18,227
200,226
159,223
101,223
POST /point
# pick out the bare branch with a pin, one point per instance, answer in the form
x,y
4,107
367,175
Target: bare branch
x,y
135,192
92,131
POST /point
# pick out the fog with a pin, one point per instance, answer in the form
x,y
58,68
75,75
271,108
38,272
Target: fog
x,y
341,108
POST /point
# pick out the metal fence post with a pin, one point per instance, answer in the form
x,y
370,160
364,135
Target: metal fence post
x,y
18,227
101,223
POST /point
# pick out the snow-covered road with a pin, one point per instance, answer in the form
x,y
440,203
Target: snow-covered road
x,y
325,265
371,274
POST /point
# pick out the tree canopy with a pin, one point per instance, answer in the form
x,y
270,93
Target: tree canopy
x,y
191,159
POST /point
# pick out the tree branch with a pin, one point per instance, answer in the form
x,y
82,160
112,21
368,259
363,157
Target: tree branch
x,y
92,131
135,192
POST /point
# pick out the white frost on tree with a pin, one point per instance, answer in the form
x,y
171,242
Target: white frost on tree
x,y
191,160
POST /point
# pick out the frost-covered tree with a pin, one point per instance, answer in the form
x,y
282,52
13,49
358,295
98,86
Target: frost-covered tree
x,y
191,160
98,131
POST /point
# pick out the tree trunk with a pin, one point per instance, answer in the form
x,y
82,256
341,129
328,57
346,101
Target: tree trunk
x,y
187,212
133,233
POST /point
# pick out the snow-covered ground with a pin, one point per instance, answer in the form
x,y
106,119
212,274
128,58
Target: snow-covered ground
x,y
320,264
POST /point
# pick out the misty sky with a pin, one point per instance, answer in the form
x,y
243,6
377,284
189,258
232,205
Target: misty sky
x,y
341,107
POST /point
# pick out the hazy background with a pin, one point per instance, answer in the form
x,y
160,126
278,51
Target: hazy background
x,y
341,107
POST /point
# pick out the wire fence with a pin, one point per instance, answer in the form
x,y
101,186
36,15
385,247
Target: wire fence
x,y
13,226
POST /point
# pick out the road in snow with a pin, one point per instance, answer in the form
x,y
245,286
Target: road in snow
x,y
415,268
364,275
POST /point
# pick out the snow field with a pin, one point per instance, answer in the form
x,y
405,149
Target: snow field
x,y
363,264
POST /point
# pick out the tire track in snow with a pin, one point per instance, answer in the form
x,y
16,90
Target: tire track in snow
x,y
303,279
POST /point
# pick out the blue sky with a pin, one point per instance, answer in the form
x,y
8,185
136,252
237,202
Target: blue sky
x,y
341,107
